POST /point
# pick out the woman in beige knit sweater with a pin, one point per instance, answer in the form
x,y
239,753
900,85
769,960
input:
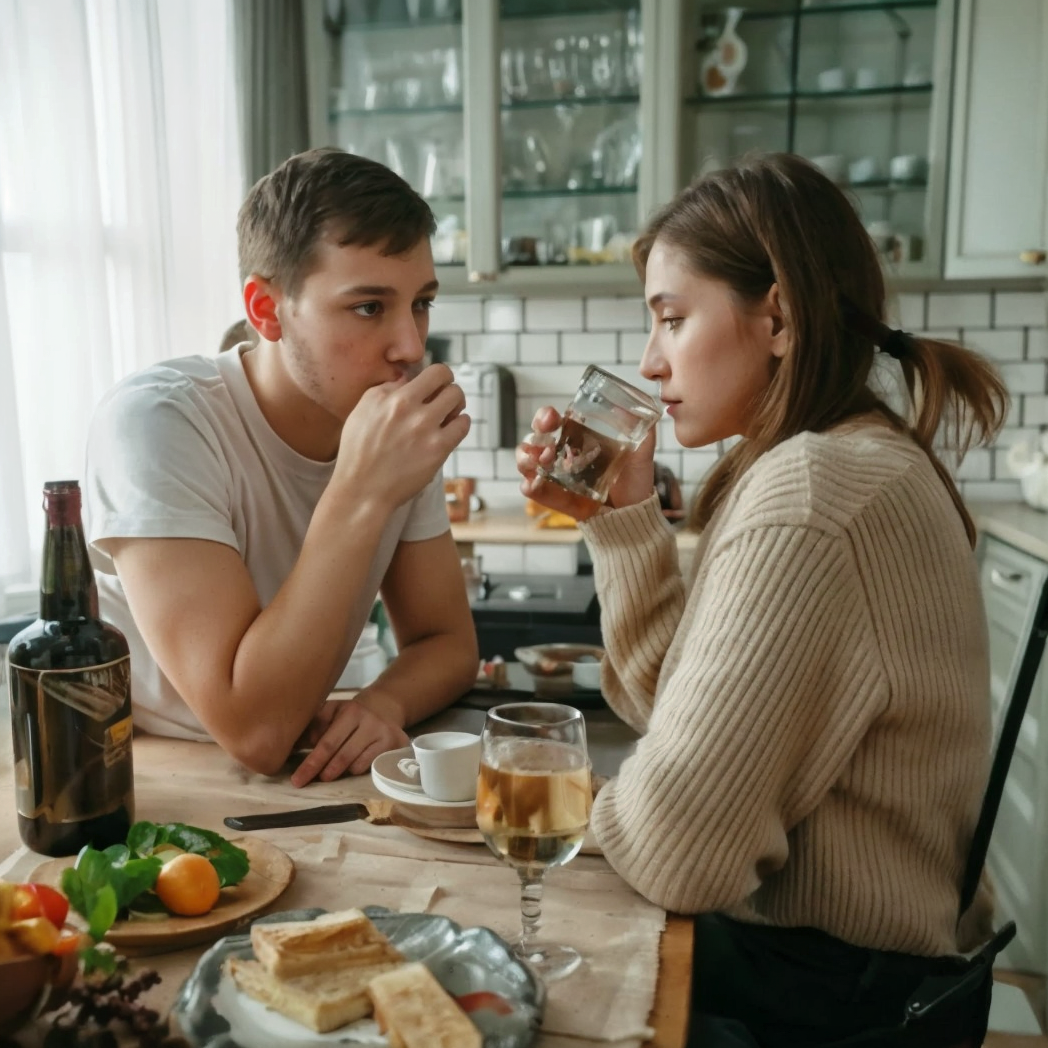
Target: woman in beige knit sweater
x,y
813,699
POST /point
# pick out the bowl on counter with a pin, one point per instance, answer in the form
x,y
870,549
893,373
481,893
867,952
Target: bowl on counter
x,y
33,984
563,660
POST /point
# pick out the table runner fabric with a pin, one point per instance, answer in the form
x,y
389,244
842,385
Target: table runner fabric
x,y
586,905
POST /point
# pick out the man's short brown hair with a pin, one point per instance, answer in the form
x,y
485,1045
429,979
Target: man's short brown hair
x,y
325,192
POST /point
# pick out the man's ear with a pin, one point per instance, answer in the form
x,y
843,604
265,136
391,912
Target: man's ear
x,y
780,341
260,304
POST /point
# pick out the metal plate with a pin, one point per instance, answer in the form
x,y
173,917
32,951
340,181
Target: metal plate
x,y
213,1013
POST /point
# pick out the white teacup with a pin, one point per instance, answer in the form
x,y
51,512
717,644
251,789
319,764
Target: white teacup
x,y
446,763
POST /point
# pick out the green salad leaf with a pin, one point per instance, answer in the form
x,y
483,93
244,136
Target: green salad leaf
x,y
103,884
230,862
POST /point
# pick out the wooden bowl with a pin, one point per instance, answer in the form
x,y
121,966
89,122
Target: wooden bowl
x,y
33,984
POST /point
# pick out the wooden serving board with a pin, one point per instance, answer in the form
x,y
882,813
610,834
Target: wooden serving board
x,y
272,870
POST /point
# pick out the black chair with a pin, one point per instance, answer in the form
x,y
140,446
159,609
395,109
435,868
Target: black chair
x,y
951,1011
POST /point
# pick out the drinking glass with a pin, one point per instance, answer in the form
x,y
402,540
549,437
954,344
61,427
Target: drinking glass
x,y
533,806
605,421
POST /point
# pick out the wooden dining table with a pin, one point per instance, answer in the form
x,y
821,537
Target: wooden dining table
x,y
175,781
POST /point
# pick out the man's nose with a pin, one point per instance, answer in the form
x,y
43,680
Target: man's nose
x,y
410,338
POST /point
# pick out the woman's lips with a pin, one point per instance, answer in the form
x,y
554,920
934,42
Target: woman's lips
x,y
671,406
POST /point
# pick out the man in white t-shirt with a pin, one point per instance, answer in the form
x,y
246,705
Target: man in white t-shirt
x,y
245,509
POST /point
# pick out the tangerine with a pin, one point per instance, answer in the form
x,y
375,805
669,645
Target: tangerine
x,y
188,885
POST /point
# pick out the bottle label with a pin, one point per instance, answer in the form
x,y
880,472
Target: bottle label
x,y
97,692
117,742
71,734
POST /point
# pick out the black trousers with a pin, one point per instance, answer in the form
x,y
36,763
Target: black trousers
x,y
763,987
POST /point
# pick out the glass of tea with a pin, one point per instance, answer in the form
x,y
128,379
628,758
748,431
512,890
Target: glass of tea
x,y
533,806
605,421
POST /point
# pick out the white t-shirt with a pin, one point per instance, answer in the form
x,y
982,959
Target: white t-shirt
x,y
182,450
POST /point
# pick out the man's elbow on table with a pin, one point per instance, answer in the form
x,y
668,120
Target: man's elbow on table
x,y
260,749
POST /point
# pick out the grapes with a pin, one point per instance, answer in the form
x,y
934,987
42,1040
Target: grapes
x,y
98,1002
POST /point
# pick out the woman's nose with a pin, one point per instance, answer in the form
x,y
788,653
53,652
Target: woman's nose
x,y
652,363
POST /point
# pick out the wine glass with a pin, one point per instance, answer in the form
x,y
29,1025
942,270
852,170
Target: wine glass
x,y
533,807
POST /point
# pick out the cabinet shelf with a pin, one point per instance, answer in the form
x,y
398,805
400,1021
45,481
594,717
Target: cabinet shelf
x,y
560,191
854,7
387,24
535,10
587,100
809,96
886,185
393,111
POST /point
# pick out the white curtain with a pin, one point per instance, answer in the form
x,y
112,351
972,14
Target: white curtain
x,y
120,179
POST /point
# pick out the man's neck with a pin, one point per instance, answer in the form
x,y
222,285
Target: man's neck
x,y
299,422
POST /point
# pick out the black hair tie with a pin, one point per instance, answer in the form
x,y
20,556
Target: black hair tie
x,y
895,343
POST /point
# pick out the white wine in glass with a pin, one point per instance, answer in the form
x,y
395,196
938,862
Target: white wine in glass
x,y
533,806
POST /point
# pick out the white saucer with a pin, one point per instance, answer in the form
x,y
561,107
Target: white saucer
x,y
391,781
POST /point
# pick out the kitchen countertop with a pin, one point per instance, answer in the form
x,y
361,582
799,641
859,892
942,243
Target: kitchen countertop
x,y
509,526
1014,522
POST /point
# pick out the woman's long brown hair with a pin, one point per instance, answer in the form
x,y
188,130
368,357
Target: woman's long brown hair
x,y
776,219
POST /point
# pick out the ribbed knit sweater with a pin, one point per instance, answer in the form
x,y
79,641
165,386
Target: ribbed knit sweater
x,y
814,706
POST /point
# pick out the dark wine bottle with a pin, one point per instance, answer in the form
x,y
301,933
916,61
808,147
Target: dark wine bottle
x,y
70,680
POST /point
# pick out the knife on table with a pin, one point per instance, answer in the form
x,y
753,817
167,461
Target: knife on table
x,y
298,817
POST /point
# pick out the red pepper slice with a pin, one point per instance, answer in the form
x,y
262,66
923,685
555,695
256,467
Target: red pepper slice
x,y
471,1002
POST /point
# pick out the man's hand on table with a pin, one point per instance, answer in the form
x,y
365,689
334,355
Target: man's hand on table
x,y
346,735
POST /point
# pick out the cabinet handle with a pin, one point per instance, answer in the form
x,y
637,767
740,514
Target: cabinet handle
x,y
1033,258
1006,580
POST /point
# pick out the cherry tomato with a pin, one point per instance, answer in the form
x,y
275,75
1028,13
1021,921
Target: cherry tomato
x,y
471,1002
68,942
39,900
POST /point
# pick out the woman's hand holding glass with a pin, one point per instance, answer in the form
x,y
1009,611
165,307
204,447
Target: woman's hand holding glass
x,y
634,484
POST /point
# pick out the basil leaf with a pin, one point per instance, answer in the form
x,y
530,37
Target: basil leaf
x,y
230,862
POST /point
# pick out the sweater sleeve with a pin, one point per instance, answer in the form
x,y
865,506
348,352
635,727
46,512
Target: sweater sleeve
x,y
778,680
641,595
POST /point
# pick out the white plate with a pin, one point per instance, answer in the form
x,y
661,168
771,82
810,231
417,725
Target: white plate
x,y
391,781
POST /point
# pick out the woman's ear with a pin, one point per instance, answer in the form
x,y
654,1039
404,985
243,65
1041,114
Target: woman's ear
x,y
779,322
260,303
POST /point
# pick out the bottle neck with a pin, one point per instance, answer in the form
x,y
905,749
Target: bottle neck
x,y
67,582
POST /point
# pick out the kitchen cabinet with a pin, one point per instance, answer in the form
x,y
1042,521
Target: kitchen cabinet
x,y
520,121
544,132
1017,860
997,224
860,88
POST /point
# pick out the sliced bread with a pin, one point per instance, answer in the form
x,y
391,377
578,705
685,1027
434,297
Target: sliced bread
x,y
343,939
415,1011
323,1001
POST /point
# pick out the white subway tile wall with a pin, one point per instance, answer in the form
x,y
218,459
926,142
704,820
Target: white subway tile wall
x,y
547,343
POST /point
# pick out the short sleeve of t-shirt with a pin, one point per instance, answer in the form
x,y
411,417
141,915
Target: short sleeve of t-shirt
x,y
155,466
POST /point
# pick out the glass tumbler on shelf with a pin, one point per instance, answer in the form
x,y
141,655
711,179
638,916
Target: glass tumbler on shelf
x,y
533,806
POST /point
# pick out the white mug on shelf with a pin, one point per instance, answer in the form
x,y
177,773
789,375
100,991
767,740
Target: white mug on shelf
x,y
446,763
832,79
833,166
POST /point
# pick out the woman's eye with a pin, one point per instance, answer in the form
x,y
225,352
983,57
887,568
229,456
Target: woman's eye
x,y
423,305
368,309
673,322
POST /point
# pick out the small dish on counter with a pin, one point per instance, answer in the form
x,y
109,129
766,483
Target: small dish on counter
x,y
559,660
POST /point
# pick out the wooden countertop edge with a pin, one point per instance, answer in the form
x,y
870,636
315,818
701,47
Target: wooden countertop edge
x,y
509,527
671,1011
1014,522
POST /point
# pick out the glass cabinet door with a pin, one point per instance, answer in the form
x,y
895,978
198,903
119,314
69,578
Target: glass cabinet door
x,y
857,86
569,87
390,76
